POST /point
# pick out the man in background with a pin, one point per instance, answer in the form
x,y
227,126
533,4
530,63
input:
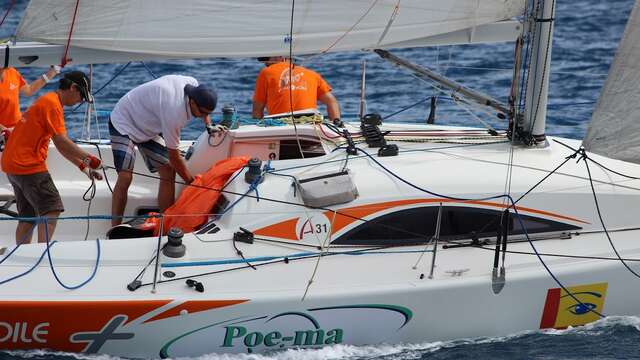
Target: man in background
x,y
306,89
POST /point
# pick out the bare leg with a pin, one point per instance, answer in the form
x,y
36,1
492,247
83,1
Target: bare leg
x,y
167,188
119,196
52,220
24,231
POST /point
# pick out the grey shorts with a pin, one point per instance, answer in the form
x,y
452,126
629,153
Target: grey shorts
x,y
36,194
153,151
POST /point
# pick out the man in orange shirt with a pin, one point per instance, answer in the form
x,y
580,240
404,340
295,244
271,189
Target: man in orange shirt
x,y
307,87
25,155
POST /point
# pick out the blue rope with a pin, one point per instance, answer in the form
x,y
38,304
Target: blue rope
x,y
53,269
84,217
291,256
32,268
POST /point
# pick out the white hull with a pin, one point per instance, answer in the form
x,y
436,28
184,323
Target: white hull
x,y
366,295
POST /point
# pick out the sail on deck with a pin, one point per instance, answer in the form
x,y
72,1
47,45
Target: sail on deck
x,y
615,123
240,28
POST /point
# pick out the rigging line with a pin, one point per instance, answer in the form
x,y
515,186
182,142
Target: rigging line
x,y
293,119
505,69
243,195
456,100
104,170
546,60
544,264
88,196
436,149
564,256
153,258
117,73
533,168
406,108
494,197
64,59
149,70
13,2
460,103
613,171
573,156
373,4
323,250
602,166
394,14
528,54
283,260
604,227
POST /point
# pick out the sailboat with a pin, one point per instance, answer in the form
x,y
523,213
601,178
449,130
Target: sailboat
x,y
364,234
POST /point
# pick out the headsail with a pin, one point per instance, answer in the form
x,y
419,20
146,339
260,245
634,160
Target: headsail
x,y
615,123
241,28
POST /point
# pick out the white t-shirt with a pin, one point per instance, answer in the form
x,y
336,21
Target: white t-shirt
x,y
157,107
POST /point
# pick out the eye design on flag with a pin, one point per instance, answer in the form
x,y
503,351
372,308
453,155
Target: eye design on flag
x,y
585,306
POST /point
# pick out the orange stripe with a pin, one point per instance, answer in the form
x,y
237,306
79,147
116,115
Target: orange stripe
x,y
284,230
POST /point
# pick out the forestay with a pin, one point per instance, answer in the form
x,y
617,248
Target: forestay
x,y
240,28
614,129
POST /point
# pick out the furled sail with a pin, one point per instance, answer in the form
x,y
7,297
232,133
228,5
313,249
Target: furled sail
x,y
241,28
615,125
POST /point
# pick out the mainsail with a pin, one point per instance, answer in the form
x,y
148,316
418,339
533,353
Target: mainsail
x,y
241,28
615,123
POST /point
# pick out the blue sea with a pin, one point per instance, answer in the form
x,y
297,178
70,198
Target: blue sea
x,y
586,35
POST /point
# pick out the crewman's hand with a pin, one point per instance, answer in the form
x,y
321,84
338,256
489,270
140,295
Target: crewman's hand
x,y
213,129
4,137
92,162
89,167
91,174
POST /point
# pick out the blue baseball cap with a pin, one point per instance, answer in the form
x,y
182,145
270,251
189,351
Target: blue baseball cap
x,y
203,96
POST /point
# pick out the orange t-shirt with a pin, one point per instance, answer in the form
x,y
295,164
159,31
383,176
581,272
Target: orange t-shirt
x,y
28,146
272,88
10,86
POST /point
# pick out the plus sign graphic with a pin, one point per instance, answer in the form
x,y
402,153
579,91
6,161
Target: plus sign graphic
x,y
97,339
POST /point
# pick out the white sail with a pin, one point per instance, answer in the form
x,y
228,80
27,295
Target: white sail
x,y
241,28
615,123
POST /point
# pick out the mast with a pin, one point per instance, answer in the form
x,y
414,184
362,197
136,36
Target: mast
x,y
532,128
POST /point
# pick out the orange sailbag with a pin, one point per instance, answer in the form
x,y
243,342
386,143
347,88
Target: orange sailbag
x,y
196,201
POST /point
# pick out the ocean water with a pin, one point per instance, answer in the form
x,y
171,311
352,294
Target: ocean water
x,y
586,36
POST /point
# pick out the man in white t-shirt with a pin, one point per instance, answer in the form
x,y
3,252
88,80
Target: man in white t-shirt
x,y
151,117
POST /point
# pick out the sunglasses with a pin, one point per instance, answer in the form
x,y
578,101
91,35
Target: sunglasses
x,y
201,110
204,111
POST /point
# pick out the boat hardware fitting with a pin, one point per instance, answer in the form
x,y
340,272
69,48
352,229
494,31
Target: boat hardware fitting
x,y
253,170
196,285
174,247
